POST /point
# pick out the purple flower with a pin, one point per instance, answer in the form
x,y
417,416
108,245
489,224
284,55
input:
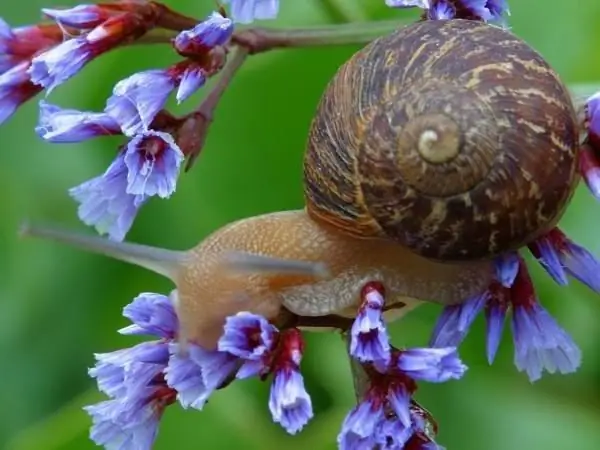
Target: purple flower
x,y
129,422
120,372
486,10
137,99
196,373
18,45
435,365
391,433
456,320
360,425
104,202
497,9
370,423
507,266
7,38
109,375
80,16
246,11
57,65
589,165
15,89
369,340
441,10
153,160
134,379
477,8
495,315
193,78
541,344
592,110
289,402
5,34
60,63
151,352
148,166
424,4
185,376
151,314
547,255
560,256
68,125
247,336
214,31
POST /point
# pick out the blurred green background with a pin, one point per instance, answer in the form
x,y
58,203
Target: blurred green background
x,y
58,306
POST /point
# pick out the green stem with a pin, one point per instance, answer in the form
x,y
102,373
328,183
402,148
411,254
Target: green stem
x,y
359,376
262,39
200,120
259,40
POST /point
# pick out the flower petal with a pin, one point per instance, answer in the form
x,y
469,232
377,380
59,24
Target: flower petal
x,y
289,402
152,314
153,160
541,344
435,365
69,125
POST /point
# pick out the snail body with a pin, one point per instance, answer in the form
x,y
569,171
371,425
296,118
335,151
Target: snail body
x,y
433,150
223,275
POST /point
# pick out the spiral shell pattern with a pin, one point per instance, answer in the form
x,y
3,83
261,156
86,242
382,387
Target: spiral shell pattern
x,y
451,137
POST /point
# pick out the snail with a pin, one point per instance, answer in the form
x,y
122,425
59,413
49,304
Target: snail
x,y
433,150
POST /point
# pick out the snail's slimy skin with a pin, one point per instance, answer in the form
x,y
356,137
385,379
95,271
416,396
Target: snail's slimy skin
x,y
208,292
209,289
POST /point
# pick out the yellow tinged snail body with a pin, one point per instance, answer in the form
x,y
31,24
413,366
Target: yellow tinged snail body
x,y
433,150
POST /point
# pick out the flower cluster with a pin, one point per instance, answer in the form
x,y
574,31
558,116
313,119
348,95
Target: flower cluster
x,y
149,162
143,380
146,378
485,10
540,343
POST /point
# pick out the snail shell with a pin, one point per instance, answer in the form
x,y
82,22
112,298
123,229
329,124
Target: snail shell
x,y
453,138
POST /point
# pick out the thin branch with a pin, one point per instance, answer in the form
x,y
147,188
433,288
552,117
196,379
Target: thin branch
x,y
360,378
199,121
172,20
259,40
156,36
262,39
210,102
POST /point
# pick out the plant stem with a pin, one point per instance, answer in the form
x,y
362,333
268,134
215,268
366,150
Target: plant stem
x,y
259,40
199,121
262,39
156,36
207,107
359,376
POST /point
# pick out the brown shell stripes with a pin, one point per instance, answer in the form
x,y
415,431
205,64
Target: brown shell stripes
x,y
454,138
